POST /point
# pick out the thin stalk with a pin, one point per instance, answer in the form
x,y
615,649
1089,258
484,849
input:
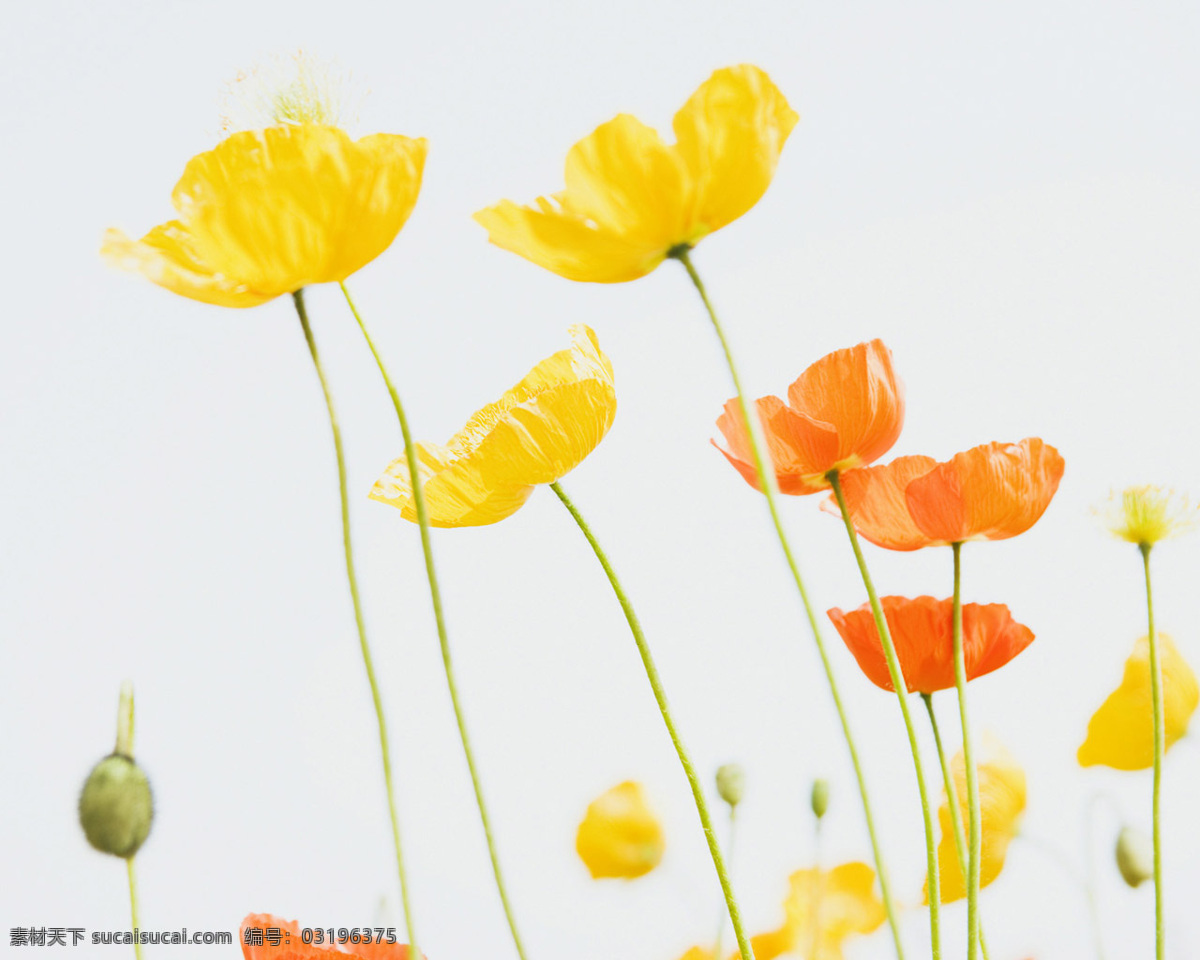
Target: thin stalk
x,y
364,646
435,595
901,688
960,834
1160,749
660,698
717,947
1089,881
133,906
975,838
767,478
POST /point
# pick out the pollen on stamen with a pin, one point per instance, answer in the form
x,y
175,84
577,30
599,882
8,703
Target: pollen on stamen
x,y
1147,514
287,90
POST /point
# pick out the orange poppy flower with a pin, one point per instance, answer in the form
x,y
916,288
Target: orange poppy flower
x,y
990,492
844,411
922,629
263,927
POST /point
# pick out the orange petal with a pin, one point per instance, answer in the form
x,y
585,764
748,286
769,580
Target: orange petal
x,y
855,391
876,504
290,946
789,442
990,492
922,631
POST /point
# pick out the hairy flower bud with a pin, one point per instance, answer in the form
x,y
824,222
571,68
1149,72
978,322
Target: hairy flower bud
x,y
731,783
820,798
1135,856
116,807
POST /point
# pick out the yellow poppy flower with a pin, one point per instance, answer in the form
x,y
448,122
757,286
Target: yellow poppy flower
x,y
536,433
1121,733
840,902
630,198
1001,803
620,836
267,212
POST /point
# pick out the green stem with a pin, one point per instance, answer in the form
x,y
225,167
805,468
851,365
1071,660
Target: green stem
x,y
133,906
368,663
960,836
660,697
975,838
1160,749
719,945
768,487
435,595
901,688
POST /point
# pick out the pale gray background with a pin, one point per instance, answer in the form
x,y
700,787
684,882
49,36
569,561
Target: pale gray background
x,y
1007,194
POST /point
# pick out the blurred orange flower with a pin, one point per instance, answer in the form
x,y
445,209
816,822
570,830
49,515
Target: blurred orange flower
x,y
990,492
292,947
843,412
922,630
1121,733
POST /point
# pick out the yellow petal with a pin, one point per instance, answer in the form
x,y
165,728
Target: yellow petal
x,y
1121,733
456,495
630,198
1001,802
620,836
268,212
730,134
828,904
536,433
165,256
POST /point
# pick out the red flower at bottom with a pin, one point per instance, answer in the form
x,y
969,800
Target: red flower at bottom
x,y
292,947
922,631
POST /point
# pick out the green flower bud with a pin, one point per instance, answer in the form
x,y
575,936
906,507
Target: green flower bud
x,y
820,798
731,783
116,807
1135,856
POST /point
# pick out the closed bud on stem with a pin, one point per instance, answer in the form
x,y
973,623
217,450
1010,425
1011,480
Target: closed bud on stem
x,y
116,807
820,798
731,783
1135,856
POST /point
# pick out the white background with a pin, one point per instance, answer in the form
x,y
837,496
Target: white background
x,y
1007,194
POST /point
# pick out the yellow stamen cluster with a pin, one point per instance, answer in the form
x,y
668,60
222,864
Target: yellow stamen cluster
x,y
1145,515
294,90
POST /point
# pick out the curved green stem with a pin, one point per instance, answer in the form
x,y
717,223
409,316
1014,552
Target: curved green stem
x,y
435,595
1160,749
719,944
768,486
960,835
975,838
133,906
660,698
368,663
901,688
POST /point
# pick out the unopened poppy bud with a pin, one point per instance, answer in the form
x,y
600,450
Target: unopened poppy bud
x,y
820,798
731,783
1135,856
116,807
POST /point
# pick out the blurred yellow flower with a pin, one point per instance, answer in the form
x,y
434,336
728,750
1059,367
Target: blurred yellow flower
x,y
536,433
839,903
1001,802
630,198
267,212
1146,515
1121,733
620,836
